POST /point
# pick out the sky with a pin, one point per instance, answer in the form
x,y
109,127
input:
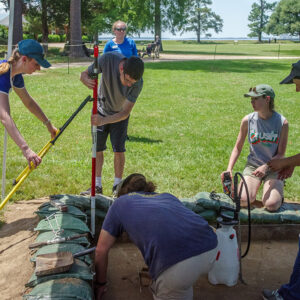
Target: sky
x,y
233,12
235,18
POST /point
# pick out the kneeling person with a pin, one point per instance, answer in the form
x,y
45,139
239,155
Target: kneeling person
x,y
178,245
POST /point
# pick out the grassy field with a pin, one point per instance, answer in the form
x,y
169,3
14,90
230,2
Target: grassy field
x,y
182,128
241,48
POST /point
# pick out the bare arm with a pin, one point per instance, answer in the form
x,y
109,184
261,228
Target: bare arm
x,y
122,115
13,131
262,170
292,161
35,109
283,140
86,80
284,166
238,146
105,242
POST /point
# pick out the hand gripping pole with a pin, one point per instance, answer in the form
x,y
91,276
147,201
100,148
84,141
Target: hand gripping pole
x,y
24,174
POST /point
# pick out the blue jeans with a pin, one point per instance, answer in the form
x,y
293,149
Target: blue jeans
x,y
291,290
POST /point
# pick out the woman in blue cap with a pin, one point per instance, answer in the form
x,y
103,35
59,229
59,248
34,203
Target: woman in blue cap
x,y
26,59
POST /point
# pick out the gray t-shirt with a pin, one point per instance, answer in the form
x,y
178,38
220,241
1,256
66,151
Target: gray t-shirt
x,y
263,137
111,93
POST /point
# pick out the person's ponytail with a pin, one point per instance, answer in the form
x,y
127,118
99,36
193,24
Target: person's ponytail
x,y
4,67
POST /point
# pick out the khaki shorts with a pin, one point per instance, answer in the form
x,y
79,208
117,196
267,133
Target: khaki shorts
x,y
177,282
269,175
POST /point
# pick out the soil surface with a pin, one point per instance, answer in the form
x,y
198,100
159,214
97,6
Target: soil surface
x,y
268,264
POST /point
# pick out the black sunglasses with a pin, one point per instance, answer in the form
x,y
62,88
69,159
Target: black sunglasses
x,y
121,29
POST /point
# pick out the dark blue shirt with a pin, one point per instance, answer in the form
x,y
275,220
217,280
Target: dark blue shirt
x,y
5,83
165,231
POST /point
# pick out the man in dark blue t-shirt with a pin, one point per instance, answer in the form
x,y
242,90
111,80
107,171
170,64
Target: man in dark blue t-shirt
x,y
171,238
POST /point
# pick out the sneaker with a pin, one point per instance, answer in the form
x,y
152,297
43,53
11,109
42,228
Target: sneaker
x,y
271,295
98,191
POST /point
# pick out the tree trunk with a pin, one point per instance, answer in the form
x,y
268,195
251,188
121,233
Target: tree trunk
x,y
198,36
198,23
262,10
76,49
45,25
18,28
157,22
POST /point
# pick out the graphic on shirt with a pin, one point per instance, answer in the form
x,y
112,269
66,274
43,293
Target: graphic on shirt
x,y
266,138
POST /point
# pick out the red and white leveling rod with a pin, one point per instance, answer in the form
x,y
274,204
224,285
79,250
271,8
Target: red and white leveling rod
x,y
94,134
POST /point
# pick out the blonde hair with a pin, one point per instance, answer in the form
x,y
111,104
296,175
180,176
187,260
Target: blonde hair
x,y
115,24
4,67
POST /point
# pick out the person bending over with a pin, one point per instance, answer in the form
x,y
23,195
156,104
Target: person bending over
x,y
267,133
25,59
176,252
120,85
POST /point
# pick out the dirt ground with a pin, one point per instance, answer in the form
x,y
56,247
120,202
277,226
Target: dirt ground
x,y
268,264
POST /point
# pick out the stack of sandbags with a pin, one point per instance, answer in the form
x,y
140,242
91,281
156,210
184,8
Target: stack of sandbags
x,y
62,229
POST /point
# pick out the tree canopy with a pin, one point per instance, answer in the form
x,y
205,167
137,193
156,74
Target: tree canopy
x,y
198,17
285,19
259,18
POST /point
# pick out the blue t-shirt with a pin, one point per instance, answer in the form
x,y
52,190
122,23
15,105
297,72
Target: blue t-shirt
x,y
165,231
5,83
127,48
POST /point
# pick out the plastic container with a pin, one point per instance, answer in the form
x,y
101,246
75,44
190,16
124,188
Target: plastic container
x,y
226,267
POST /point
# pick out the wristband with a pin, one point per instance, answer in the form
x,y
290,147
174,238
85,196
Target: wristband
x,y
47,122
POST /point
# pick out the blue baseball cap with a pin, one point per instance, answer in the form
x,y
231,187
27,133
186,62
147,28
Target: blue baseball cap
x,y
33,49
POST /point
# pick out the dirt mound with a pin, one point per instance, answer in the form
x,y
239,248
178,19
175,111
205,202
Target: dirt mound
x,y
15,236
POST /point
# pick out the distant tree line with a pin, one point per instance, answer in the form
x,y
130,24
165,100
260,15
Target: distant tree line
x,y
93,17
274,18
97,16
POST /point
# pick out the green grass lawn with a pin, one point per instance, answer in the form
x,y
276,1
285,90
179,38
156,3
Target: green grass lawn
x,y
241,48
182,128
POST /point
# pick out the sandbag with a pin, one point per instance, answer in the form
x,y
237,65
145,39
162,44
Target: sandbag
x,y
61,289
47,209
213,200
101,202
98,213
191,204
49,235
70,247
79,270
63,221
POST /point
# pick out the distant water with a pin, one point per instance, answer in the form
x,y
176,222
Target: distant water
x,y
147,38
